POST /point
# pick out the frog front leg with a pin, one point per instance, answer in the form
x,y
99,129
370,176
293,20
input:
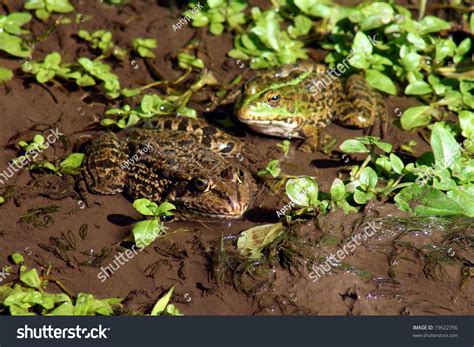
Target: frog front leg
x,y
312,135
362,107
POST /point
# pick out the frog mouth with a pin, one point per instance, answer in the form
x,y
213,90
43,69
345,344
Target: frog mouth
x,y
281,128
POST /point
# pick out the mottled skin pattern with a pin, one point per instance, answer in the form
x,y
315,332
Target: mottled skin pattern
x,y
293,101
171,165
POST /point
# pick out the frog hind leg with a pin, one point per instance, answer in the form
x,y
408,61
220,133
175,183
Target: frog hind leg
x,y
363,106
105,165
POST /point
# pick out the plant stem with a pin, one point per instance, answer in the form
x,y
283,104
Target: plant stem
x,y
362,167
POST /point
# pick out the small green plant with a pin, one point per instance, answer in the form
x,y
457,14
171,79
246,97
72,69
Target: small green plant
x,y
44,8
218,15
10,32
102,41
163,307
49,68
273,169
5,74
71,165
143,46
27,296
101,72
33,157
146,231
284,146
265,44
187,61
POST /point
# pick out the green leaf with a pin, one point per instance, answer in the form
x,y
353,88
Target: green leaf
x,y
466,121
397,163
362,44
418,88
252,241
5,74
14,46
353,146
337,190
72,163
368,177
435,203
303,191
430,24
147,207
273,168
31,278
161,304
145,232
417,116
379,81
446,150
17,258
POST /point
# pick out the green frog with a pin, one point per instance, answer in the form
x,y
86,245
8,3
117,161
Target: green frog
x,y
183,161
298,101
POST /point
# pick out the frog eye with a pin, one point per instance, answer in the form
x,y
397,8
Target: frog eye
x,y
240,175
201,184
273,97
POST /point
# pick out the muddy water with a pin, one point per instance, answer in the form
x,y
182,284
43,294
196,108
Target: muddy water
x,y
407,267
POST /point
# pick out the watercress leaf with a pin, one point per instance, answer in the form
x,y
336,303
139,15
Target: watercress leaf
x,y
384,146
314,8
44,76
146,231
13,22
353,146
379,81
464,197
17,258
161,304
361,197
430,24
397,163
362,44
466,121
446,150
65,309
165,209
444,48
418,88
34,4
416,117
368,177
147,207
5,74
337,190
14,45
434,202
464,47
31,278
303,191
72,162
61,6
252,241
52,59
